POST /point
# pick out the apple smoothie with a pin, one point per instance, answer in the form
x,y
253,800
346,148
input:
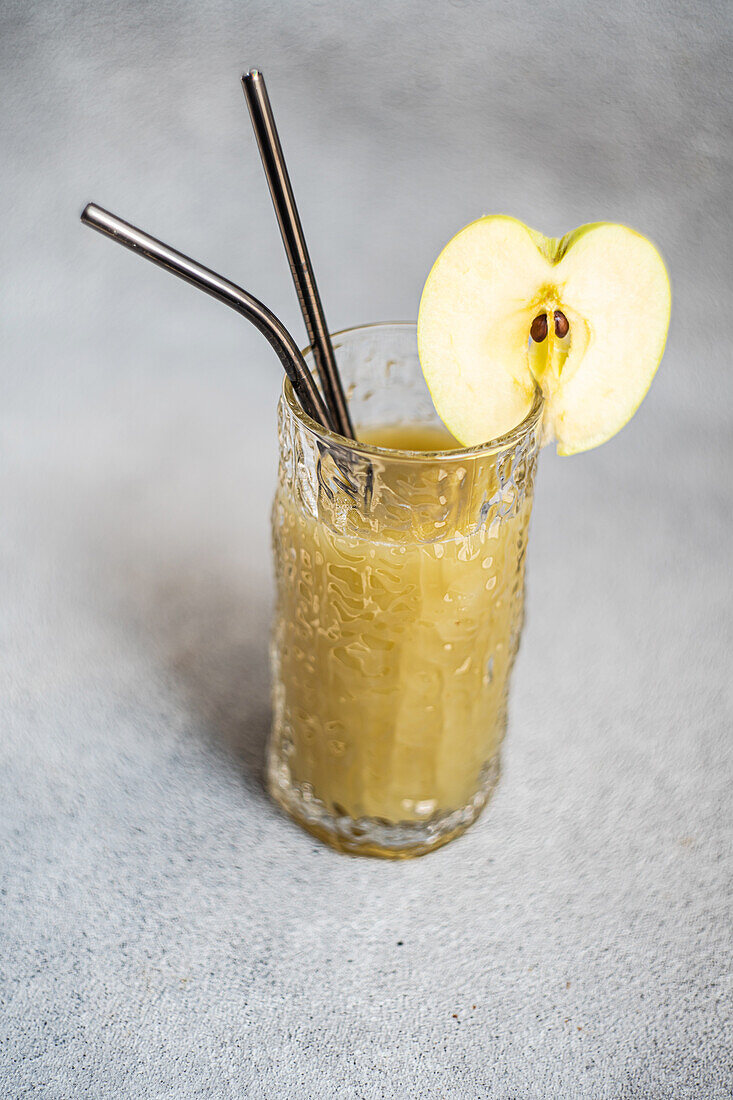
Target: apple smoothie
x,y
399,558
399,550
400,581
395,653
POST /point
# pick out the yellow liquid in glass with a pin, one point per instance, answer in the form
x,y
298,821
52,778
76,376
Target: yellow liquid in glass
x,y
393,656
409,437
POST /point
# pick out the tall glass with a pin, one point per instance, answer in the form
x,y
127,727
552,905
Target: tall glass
x,y
400,591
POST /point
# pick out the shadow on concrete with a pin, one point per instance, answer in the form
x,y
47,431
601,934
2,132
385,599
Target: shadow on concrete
x,y
205,622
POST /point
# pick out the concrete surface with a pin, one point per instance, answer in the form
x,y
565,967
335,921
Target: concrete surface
x,y
164,931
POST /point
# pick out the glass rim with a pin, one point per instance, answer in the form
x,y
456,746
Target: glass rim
x,y
498,443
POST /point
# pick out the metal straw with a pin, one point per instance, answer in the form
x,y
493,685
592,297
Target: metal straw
x,y
283,200
261,317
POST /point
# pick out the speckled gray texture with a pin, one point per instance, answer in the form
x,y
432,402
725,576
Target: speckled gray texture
x,y
164,932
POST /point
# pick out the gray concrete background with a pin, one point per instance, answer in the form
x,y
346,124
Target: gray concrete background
x,y
164,931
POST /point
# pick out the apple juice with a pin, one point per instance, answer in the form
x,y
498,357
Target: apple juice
x,y
400,577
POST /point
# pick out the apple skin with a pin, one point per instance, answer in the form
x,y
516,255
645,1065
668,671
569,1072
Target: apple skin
x,y
485,289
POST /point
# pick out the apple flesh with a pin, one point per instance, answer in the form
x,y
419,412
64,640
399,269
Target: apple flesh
x,y
604,293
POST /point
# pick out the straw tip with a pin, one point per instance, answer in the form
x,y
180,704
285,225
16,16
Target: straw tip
x,y
252,75
87,213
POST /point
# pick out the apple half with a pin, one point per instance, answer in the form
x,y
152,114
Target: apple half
x,y
506,309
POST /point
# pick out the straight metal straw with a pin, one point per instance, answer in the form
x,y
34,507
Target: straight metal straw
x,y
261,317
273,161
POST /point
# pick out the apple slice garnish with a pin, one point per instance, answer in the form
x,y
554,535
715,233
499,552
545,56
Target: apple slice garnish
x,y
505,309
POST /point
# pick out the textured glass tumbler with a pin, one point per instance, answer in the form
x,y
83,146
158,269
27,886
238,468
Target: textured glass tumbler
x,y
400,588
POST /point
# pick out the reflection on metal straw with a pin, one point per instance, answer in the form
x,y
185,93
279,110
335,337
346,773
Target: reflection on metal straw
x,y
261,317
273,161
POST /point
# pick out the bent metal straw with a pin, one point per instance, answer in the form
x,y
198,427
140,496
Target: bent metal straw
x,y
232,295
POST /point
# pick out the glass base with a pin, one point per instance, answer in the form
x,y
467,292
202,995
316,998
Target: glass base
x,y
373,836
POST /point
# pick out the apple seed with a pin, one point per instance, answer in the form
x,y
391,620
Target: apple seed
x,y
562,325
538,331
